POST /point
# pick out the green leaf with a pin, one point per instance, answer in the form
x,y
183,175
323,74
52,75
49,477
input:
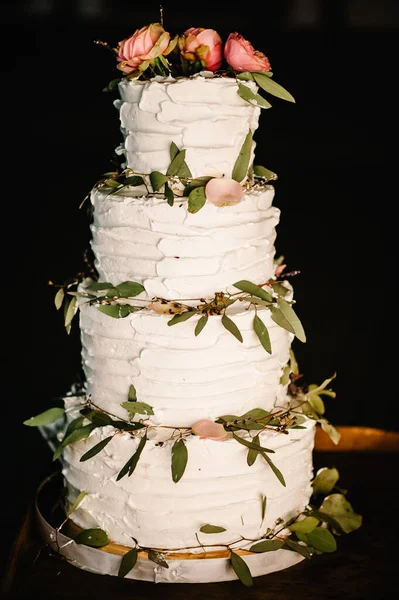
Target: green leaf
x,y
273,467
96,449
124,426
169,195
337,507
231,327
127,563
157,180
196,199
321,539
280,289
253,453
267,546
305,525
132,395
331,431
76,503
253,289
241,569
264,500
59,298
325,480
262,333
197,182
99,286
252,444
112,310
133,180
184,316
173,150
157,558
245,76
129,289
285,377
260,171
138,408
178,166
255,413
99,418
45,418
212,529
179,460
201,324
286,317
271,86
292,545
70,312
95,538
78,435
241,165
131,464
247,94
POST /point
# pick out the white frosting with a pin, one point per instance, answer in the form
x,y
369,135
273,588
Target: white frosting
x,y
218,487
204,115
183,377
176,254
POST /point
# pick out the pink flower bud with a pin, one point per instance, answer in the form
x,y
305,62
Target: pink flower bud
x,y
144,45
204,45
241,56
222,191
279,270
209,430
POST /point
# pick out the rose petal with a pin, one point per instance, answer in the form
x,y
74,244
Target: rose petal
x,y
279,270
209,430
222,191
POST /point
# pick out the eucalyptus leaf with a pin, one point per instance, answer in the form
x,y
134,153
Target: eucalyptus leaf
x,y
99,418
247,94
45,418
267,546
169,195
173,151
75,505
260,171
74,424
264,501
131,464
241,165
212,529
112,310
59,298
262,333
96,449
129,289
202,321
252,445
197,182
285,377
270,86
253,289
241,569
157,180
231,327
132,394
245,76
184,316
124,426
178,166
305,525
70,312
134,180
196,199
296,547
255,413
179,459
325,480
157,558
95,538
280,289
273,467
99,286
338,507
322,539
78,435
331,431
253,453
127,563
138,408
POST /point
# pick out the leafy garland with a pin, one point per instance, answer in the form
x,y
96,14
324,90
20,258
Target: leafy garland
x,y
178,181
313,531
305,403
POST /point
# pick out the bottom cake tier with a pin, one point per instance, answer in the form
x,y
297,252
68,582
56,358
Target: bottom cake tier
x,y
218,489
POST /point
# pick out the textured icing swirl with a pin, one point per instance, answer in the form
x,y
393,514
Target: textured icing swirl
x,y
183,377
203,115
176,254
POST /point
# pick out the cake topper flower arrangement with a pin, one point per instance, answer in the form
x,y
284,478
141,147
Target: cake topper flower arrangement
x,y
152,51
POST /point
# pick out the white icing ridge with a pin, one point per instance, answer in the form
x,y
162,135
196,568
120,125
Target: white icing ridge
x,y
183,377
175,254
203,115
217,487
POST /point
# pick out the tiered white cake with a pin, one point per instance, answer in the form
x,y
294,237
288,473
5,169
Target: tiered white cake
x,y
185,257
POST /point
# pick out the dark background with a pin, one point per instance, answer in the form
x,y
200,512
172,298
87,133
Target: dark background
x,y
334,152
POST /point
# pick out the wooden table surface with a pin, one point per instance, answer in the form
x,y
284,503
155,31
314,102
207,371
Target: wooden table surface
x,y
365,565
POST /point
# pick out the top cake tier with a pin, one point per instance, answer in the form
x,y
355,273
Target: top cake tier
x,y
203,115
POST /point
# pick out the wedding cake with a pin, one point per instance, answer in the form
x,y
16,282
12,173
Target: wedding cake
x,y
187,453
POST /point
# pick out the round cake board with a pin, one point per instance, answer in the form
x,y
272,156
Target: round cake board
x,y
202,567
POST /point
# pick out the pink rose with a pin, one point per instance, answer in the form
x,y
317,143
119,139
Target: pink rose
x,y
144,45
241,56
204,45
222,191
209,430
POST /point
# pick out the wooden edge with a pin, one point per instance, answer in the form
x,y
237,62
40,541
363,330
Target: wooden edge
x,y
358,439
71,529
